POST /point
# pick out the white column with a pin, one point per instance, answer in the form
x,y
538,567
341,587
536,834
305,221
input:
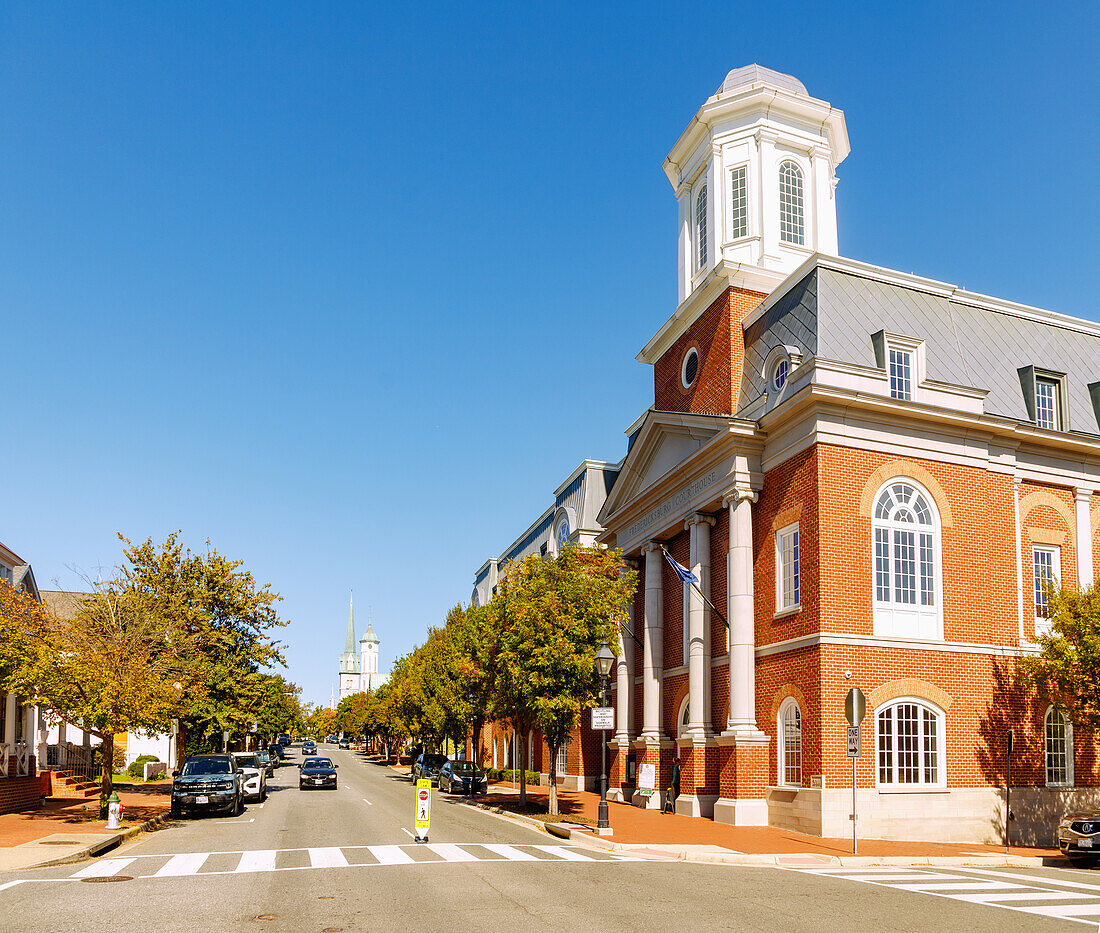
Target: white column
x,y
653,651
42,733
9,718
624,676
742,669
1085,572
698,659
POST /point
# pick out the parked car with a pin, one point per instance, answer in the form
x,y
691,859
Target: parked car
x,y
267,761
284,739
207,782
317,772
255,777
463,777
309,747
1078,836
277,752
344,743
427,766
331,738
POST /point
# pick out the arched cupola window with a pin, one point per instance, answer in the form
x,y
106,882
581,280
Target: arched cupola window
x,y
906,540
792,214
701,229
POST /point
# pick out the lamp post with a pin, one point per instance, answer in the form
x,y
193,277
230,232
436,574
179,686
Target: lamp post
x,y
605,660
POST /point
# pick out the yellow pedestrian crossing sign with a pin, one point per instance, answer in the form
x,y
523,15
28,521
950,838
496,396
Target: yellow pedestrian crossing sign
x,y
423,814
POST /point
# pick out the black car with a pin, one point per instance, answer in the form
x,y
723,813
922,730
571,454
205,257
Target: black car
x,y
427,766
317,772
277,753
463,777
309,747
207,782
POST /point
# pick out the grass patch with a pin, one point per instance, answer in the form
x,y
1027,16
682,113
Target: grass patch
x,y
537,811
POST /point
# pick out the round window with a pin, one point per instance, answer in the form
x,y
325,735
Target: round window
x,y
690,368
779,377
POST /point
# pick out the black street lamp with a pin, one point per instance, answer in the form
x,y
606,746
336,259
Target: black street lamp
x,y
605,660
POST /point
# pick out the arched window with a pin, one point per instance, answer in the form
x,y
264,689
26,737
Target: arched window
x,y
1058,743
906,539
792,222
909,744
790,743
701,229
682,718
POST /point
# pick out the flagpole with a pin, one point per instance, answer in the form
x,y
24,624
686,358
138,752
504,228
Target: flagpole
x,y
692,583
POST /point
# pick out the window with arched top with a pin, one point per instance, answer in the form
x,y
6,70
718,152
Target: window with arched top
x,y
792,211
790,743
701,229
1058,748
682,718
909,736
907,576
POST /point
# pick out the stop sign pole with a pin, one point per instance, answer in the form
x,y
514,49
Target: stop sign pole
x,y
855,708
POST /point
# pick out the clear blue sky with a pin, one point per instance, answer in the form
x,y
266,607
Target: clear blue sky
x,y
309,283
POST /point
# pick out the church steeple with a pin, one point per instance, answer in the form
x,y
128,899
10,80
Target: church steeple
x,y
349,660
349,642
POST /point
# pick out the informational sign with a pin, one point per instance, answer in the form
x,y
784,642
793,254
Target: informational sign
x,y
423,816
603,717
855,706
855,742
253,728
647,779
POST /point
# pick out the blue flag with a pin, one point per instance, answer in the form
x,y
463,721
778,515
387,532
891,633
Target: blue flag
x,y
682,572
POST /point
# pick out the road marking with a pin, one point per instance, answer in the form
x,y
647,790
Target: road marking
x,y
564,852
407,833
367,802
390,855
960,886
1032,879
10,884
509,852
234,822
329,857
452,853
1035,895
259,860
104,869
182,865
347,787
1069,911
899,876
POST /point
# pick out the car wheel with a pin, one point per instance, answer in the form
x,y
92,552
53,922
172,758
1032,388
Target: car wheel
x,y
177,812
263,794
238,809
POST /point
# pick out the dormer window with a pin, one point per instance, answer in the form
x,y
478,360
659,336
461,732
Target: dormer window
x,y
779,376
901,378
701,229
1047,404
792,225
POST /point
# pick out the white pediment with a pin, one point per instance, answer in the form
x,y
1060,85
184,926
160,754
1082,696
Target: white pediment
x,y
665,440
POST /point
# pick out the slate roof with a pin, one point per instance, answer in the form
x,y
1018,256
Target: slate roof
x,y
62,603
832,314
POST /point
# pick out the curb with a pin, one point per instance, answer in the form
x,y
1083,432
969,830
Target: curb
x,y
101,845
552,829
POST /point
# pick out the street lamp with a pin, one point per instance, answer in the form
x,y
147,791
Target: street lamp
x,y
605,660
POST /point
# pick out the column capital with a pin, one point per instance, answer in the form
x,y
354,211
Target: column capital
x,y
738,495
699,518
1083,493
652,546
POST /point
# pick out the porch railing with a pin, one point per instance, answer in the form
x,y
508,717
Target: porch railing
x,y
18,753
77,759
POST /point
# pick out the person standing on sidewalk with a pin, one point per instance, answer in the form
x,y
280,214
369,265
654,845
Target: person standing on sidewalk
x,y
676,777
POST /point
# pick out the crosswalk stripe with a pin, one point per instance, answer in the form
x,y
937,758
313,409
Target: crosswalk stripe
x,y
1064,910
452,853
509,852
259,860
898,877
564,852
104,869
327,857
960,885
390,855
991,897
181,865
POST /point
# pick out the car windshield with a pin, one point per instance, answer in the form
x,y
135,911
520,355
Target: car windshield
x,y
464,767
246,761
207,766
317,763
433,761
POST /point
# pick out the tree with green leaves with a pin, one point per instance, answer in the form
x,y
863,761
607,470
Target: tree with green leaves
x,y
552,617
475,642
1067,671
124,661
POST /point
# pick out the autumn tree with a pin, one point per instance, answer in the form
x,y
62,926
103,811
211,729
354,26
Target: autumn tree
x,y
125,660
320,721
1067,671
476,646
552,616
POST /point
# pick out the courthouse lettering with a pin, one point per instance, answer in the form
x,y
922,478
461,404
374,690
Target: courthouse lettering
x,y
671,504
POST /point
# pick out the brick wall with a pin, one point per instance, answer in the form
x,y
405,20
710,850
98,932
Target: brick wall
x,y
718,338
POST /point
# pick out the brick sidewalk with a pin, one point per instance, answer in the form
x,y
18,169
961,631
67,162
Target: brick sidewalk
x,y
60,815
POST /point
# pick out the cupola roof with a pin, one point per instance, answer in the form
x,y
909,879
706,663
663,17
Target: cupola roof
x,y
748,75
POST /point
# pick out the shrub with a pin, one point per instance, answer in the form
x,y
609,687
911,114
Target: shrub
x,y
118,761
136,769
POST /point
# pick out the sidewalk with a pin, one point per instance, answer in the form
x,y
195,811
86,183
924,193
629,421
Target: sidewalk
x,y
668,835
67,829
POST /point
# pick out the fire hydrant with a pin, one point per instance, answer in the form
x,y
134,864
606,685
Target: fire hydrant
x,y
113,810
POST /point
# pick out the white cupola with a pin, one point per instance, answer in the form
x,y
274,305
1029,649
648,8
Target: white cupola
x,y
755,176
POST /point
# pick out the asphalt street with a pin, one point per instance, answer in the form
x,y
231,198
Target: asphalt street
x,y
345,860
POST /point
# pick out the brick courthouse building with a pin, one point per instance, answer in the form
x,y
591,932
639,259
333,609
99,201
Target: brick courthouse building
x,y
871,473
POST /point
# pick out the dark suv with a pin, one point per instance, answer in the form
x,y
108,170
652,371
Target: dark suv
x,y
207,782
427,766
